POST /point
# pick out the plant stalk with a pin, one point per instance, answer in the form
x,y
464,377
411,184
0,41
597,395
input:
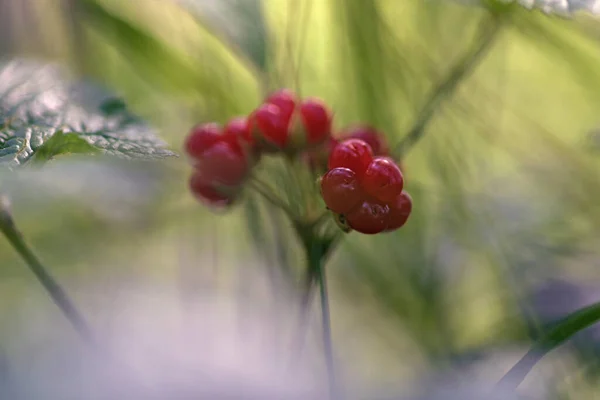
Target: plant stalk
x,y
267,193
490,28
317,253
56,292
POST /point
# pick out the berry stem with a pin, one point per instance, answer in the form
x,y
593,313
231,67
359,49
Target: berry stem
x,y
326,246
490,29
317,250
317,264
56,292
265,191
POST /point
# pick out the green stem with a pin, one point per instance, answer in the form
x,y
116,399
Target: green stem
x,y
56,292
560,333
312,276
316,267
490,28
267,193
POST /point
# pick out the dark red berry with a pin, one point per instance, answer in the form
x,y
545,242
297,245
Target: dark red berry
x,y
400,210
383,179
206,193
271,125
371,136
354,154
223,164
340,190
286,100
369,218
316,120
201,138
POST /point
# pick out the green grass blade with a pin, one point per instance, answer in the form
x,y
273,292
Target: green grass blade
x,y
561,332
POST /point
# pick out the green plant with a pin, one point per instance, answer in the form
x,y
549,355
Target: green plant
x,y
44,116
278,151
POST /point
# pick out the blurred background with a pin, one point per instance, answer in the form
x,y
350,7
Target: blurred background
x,y
503,239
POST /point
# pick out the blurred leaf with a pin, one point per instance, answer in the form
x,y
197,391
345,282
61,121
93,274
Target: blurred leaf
x,y
116,189
363,38
559,7
198,64
63,143
37,101
563,6
241,21
561,332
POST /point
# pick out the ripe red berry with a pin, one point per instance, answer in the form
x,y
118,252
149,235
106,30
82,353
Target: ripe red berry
x,y
239,129
207,193
383,179
400,210
316,120
371,136
270,124
369,218
340,190
354,154
285,99
223,164
201,138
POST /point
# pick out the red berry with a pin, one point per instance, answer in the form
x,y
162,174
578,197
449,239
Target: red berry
x,y
354,154
316,120
285,99
400,210
383,179
271,124
370,217
207,193
201,138
371,136
239,129
340,190
223,164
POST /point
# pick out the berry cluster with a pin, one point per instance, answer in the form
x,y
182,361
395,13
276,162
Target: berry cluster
x,y
364,189
283,123
222,159
363,186
224,156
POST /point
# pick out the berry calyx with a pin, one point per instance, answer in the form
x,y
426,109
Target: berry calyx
x,y
383,179
201,137
340,190
341,222
353,154
370,217
400,210
371,136
206,193
316,121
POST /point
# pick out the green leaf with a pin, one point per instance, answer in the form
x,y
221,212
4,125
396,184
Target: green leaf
x,y
63,143
561,332
202,65
562,8
37,101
